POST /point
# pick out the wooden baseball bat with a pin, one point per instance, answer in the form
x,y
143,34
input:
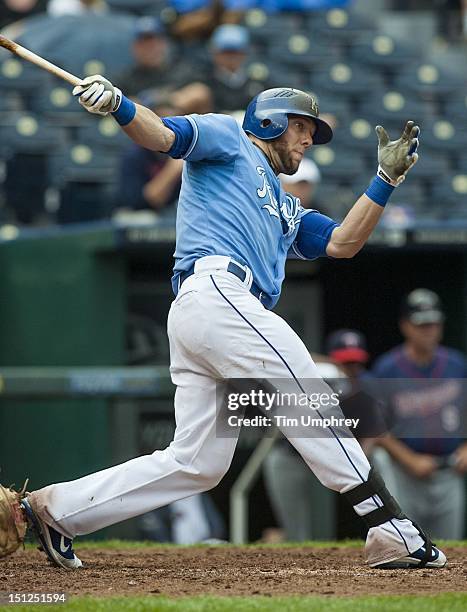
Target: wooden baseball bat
x,y
38,61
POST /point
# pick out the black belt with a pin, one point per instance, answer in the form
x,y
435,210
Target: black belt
x,y
234,269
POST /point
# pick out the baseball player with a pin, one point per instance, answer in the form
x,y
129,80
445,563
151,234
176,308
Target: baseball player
x,y
426,457
235,229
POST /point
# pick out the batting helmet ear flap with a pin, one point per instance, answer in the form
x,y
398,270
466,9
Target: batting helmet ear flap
x,y
267,114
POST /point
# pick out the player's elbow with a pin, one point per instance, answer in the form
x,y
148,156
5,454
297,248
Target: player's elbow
x,y
340,250
342,245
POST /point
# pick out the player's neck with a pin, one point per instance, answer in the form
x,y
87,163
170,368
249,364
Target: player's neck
x,y
419,355
266,150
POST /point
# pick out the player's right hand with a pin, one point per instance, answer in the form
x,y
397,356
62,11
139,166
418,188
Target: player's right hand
x,y
98,95
422,466
396,157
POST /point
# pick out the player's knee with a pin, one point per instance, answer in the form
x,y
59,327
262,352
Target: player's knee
x,y
215,476
202,468
210,473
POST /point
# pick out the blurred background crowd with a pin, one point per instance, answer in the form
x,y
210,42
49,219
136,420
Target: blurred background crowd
x,y
369,62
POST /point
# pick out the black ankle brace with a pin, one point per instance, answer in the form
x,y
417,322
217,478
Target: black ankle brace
x,y
375,486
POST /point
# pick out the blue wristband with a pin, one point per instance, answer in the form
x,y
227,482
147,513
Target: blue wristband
x,y
126,111
379,191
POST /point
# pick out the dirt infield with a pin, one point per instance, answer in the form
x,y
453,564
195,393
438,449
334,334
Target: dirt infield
x,y
227,571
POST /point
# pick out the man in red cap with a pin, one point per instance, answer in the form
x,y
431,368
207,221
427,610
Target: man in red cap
x,y
347,347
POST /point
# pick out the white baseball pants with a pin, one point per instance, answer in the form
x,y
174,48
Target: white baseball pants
x,y
217,330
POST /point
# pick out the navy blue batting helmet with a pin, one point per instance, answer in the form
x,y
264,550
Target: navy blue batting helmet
x,y
267,114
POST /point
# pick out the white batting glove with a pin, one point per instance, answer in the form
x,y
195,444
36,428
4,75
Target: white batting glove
x,y
98,95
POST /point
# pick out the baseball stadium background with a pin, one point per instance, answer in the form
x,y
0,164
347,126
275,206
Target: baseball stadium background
x,y
84,293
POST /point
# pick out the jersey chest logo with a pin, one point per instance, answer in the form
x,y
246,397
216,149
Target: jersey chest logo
x,y
287,212
266,192
290,210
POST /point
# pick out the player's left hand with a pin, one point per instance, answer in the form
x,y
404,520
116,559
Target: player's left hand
x,y
98,95
396,157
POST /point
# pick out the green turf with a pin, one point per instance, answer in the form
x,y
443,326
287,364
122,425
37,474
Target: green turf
x,y
449,602
119,544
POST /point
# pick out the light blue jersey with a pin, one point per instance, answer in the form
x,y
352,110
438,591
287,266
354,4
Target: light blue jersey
x,y
231,203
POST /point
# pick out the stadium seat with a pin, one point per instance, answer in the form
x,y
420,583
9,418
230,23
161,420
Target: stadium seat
x,y
339,24
336,106
25,199
461,160
58,105
429,82
23,77
9,102
83,202
456,215
445,136
300,51
357,134
345,79
451,190
392,109
93,65
103,132
337,163
27,133
411,193
429,166
275,75
382,52
26,145
456,110
11,107
267,29
79,162
85,178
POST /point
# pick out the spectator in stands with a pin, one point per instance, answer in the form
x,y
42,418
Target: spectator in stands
x,y
348,349
193,21
153,61
13,10
150,180
303,183
426,456
226,76
155,68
